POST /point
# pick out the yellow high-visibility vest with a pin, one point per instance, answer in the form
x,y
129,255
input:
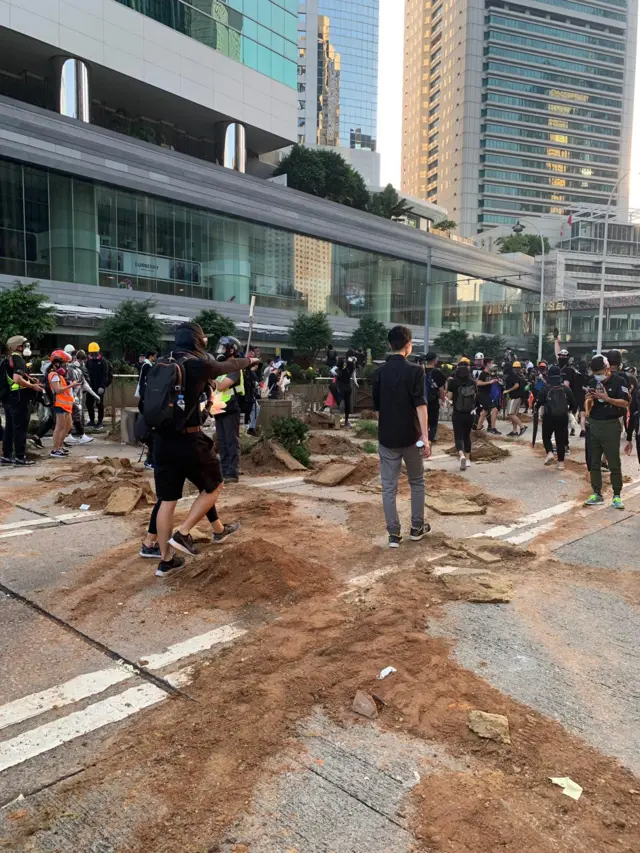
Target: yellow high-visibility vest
x,y
231,392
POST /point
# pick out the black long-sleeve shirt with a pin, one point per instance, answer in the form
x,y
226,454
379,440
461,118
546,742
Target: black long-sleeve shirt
x,y
398,391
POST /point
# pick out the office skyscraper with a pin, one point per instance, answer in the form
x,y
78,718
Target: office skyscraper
x,y
338,79
514,110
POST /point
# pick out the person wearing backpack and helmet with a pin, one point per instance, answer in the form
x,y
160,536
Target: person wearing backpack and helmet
x,y
557,400
100,377
461,391
228,421
61,391
16,392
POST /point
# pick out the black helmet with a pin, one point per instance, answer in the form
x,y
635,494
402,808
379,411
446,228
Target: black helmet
x,y
228,345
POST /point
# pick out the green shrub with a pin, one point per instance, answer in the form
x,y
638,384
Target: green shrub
x,y
310,374
370,447
368,429
123,368
324,371
368,370
291,433
297,373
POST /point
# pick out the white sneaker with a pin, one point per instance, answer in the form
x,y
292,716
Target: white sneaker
x,y
468,465
463,463
72,439
84,439
560,466
550,459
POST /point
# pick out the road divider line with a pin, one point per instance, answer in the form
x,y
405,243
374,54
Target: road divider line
x,y
287,481
15,533
85,686
111,710
527,520
528,535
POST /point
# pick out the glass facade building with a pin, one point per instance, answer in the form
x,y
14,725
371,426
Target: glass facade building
x,y
262,34
54,226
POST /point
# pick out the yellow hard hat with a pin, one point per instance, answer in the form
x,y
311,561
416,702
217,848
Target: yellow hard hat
x,y
516,364
93,347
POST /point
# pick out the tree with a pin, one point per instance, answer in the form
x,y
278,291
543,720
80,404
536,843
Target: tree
x,y
215,326
527,244
491,346
371,334
325,174
388,204
24,311
455,342
447,225
132,328
309,333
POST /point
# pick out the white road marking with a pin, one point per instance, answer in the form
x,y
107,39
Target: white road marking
x,y
84,686
15,533
528,520
287,481
177,652
63,694
528,535
376,574
35,522
72,516
47,737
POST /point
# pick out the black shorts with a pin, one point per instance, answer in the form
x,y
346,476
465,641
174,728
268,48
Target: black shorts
x,y
185,457
488,407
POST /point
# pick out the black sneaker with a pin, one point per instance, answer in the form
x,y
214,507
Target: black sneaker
x,y
523,430
231,481
395,540
583,433
229,530
169,567
572,433
494,432
22,460
150,551
251,432
418,533
183,543
36,440
6,460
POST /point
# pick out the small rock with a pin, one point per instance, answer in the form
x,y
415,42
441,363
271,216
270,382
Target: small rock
x,y
490,726
365,705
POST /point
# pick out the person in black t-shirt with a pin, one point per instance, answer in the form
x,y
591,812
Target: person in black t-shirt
x,y
461,391
515,386
345,369
489,394
17,393
556,399
434,382
188,454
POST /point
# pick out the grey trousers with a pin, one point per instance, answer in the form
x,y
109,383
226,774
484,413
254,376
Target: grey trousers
x,y
390,467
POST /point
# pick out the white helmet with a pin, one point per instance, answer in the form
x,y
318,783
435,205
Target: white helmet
x,y
479,355
70,348
564,352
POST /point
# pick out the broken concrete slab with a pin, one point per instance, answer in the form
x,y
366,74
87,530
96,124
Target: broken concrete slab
x,y
451,503
285,457
323,420
365,705
332,474
482,588
490,726
123,500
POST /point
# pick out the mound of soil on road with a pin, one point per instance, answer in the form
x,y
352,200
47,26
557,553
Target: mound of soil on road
x,y
254,572
326,444
483,450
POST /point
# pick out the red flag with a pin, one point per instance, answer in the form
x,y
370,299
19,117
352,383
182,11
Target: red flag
x,y
570,219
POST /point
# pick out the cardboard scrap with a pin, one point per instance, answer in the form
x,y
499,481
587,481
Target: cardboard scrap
x,y
451,503
331,474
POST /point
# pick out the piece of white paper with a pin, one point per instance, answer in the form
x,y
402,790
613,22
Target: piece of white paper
x,y
85,506
569,787
386,671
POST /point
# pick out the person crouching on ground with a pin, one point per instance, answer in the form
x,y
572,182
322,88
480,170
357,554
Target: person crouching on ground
x,y
607,401
461,391
188,454
403,433
61,392
556,401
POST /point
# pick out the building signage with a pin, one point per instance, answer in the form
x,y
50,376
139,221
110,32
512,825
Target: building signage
x,y
149,266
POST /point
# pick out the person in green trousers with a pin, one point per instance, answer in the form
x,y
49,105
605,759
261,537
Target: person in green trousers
x,y
607,400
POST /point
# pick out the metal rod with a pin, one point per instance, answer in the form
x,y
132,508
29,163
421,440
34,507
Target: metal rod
x,y
427,300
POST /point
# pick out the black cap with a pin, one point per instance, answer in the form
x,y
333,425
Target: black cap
x,y
598,363
431,356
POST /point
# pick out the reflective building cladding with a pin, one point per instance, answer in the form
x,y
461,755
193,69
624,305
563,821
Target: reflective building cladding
x,y
514,110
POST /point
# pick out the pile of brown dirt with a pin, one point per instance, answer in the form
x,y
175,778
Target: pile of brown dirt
x,y
367,469
262,460
97,495
483,450
328,444
254,572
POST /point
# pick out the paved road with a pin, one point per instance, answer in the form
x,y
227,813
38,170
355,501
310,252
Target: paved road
x,y
68,690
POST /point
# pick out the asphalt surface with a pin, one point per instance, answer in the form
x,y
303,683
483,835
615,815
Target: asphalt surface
x,y
568,648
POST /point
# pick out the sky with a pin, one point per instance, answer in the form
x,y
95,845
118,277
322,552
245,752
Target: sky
x,y
391,52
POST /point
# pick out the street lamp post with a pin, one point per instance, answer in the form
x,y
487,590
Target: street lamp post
x,y
603,274
518,228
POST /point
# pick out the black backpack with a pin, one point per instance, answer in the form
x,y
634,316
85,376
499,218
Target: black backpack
x,y
431,387
556,401
162,396
5,388
465,399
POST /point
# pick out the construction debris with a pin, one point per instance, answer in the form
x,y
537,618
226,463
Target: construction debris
x,y
285,457
365,705
490,726
330,444
451,503
483,451
123,500
483,588
331,474
323,420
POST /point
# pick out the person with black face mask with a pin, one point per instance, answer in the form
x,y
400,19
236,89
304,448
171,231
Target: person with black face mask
x,y
571,379
231,384
461,392
187,454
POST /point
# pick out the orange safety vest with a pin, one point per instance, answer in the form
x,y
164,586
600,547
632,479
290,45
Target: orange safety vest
x,y
63,400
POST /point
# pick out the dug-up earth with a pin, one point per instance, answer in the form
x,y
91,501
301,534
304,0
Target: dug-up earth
x,y
226,766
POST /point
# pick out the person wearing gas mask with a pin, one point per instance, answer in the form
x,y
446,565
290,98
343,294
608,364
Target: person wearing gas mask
x,y
228,421
17,390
